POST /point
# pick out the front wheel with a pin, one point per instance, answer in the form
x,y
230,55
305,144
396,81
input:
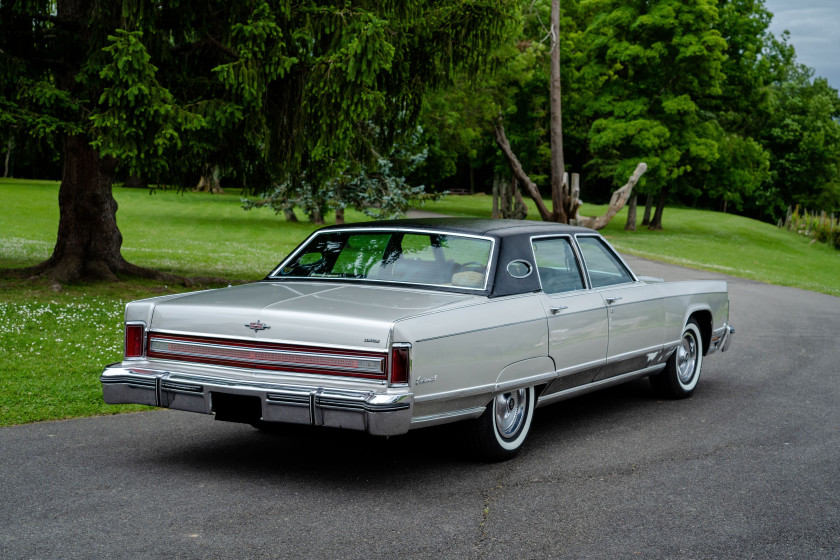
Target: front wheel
x,y
499,433
682,372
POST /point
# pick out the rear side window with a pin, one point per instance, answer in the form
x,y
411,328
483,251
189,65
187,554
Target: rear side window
x,y
604,267
557,266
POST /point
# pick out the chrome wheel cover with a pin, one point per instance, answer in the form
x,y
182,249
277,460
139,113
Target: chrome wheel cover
x,y
510,411
687,358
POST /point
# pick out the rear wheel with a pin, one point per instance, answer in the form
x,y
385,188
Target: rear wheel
x,y
682,372
499,433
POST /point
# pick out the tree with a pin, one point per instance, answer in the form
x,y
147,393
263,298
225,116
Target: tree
x,y
263,89
803,139
378,187
560,198
651,67
565,196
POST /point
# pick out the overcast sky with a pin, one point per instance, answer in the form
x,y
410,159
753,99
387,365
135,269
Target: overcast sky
x,y
814,27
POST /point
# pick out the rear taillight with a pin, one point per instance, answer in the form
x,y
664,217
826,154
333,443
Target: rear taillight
x,y
134,338
400,364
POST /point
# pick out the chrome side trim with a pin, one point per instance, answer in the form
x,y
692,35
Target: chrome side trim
x,y
602,384
636,353
526,381
593,365
445,417
458,393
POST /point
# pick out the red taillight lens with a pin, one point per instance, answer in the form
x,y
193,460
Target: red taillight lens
x,y
134,341
399,364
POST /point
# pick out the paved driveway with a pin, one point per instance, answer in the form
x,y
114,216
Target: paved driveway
x,y
747,468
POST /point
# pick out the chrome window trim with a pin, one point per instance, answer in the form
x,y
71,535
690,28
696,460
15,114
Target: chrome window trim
x,y
614,253
587,285
273,275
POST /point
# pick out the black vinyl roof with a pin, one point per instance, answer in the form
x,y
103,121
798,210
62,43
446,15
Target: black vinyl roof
x,y
513,243
475,226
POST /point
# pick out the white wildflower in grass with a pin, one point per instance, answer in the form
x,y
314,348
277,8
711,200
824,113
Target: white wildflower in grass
x,y
19,248
56,351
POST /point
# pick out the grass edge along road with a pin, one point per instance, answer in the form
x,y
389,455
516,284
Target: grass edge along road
x,y
53,344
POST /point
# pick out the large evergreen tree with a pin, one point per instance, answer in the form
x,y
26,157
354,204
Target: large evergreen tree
x,y
265,88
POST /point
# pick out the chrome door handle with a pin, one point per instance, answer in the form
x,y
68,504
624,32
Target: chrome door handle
x,y
558,309
612,300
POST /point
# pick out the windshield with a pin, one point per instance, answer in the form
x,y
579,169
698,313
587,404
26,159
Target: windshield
x,y
407,257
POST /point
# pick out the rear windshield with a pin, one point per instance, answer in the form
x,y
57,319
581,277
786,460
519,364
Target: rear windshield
x,y
404,257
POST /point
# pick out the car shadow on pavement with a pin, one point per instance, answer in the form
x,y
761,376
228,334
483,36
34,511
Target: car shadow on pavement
x,y
335,456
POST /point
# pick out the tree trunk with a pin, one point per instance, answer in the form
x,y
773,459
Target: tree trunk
x,y
631,214
656,223
519,173
648,208
520,210
573,202
617,202
558,166
89,241
559,196
209,181
339,215
496,214
9,145
505,196
290,215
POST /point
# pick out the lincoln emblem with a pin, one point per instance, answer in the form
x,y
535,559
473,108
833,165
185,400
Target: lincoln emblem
x,y
257,326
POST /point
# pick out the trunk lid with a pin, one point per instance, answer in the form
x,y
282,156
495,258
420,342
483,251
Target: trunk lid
x,y
307,313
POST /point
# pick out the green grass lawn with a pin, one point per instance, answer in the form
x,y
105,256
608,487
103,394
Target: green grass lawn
x,y
54,343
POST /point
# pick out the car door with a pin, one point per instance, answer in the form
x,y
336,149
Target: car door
x,y
577,317
636,310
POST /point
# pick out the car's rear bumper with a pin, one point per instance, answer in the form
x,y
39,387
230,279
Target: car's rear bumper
x,y
377,413
722,338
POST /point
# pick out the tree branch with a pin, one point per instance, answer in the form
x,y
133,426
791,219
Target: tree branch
x,y
519,173
617,201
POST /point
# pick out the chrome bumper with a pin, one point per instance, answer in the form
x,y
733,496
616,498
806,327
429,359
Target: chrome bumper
x,y
722,339
383,414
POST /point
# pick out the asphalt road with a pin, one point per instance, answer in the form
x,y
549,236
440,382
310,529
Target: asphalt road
x,y
747,468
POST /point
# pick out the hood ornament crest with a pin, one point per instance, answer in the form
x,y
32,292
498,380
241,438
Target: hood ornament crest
x,y
257,326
